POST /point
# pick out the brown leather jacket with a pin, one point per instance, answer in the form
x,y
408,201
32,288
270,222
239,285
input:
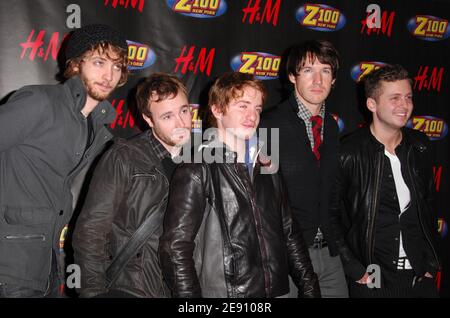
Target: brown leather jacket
x,y
229,235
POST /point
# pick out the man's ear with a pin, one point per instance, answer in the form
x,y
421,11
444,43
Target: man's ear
x,y
371,104
217,113
148,120
292,78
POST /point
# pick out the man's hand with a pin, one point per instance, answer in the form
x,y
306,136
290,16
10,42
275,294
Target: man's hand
x,y
365,279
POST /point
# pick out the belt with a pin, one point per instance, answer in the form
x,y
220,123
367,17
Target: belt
x,y
318,244
403,263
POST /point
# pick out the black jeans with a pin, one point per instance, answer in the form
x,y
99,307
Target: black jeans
x,y
52,291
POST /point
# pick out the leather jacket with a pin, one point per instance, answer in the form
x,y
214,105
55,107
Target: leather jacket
x,y
227,234
128,184
355,198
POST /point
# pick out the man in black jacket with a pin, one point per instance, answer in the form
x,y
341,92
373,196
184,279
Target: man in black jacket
x,y
128,196
382,208
228,230
308,141
48,136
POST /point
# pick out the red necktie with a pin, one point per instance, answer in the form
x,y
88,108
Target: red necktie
x,y
316,129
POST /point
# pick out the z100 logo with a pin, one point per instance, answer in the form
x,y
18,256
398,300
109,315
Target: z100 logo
x,y
196,121
140,56
435,128
202,9
339,122
264,66
320,17
362,69
429,28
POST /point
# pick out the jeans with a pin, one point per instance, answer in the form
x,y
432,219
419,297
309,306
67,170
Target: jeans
x,y
52,291
330,273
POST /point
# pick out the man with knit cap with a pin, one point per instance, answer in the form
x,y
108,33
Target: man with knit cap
x,y
49,135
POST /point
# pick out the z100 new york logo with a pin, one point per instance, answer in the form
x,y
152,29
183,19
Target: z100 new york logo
x,y
361,69
428,28
202,9
264,66
140,56
320,17
435,128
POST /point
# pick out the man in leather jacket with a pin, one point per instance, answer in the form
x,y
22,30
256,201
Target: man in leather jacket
x,y
129,187
228,229
49,136
382,206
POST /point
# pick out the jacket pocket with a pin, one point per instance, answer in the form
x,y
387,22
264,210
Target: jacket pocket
x,y
27,216
151,176
24,237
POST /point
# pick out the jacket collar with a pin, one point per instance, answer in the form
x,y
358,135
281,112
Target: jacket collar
x,y
229,155
104,112
407,139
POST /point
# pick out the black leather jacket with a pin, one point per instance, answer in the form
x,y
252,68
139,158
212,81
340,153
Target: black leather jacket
x,y
355,199
128,184
226,235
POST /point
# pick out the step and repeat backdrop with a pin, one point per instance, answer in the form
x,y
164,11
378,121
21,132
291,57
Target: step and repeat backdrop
x,y
200,39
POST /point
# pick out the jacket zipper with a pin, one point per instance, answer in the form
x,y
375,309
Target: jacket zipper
x,y
26,237
418,208
374,209
256,215
144,175
166,200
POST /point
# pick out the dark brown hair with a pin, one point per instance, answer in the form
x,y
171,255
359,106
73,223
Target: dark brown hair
x,y
387,73
324,51
155,88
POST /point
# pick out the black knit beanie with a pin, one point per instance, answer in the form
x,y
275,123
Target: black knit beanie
x,y
90,35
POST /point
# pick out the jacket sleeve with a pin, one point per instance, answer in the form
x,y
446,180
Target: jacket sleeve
x,y
106,191
182,221
352,266
300,267
432,257
21,116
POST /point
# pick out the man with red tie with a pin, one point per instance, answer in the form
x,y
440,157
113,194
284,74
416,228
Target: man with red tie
x,y
308,141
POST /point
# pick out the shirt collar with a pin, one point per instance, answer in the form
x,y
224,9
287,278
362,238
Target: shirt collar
x,y
304,112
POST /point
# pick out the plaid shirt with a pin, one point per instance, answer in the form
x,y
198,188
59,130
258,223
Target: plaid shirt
x,y
161,152
305,115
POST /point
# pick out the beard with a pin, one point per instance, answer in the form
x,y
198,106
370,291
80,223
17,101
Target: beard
x,y
177,138
93,92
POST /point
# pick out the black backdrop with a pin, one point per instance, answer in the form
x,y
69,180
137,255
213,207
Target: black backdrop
x,y
200,39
